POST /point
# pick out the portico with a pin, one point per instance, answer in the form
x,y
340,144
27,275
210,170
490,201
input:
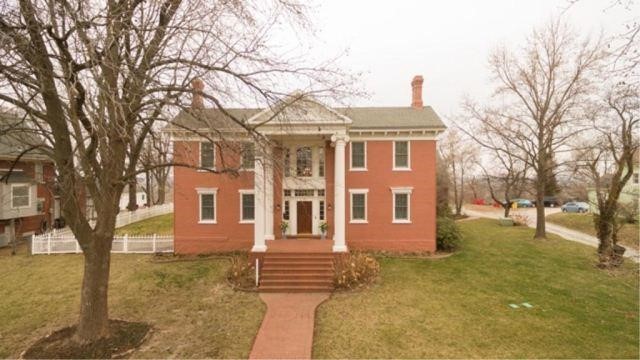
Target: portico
x,y
292,165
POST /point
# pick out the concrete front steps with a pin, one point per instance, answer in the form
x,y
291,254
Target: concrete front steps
x,y
296,272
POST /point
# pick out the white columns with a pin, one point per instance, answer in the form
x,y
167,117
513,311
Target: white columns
x,y
259,206
339,243
268,163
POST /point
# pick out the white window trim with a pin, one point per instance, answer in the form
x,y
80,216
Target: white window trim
x,y
401,190
351,168
366,202
244,192
208,191
200,156
28,193
393,154
253,166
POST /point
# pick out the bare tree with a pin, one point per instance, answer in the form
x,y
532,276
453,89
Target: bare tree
x,y
609,162
459,155
156,152
94,78
538,93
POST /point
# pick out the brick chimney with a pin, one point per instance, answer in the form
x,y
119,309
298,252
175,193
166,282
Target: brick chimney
x,y
198,87
416,87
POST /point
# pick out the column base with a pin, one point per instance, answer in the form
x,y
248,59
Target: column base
x,y
340,248
269,237
259,248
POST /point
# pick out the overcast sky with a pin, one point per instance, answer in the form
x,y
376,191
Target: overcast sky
x,y
448,42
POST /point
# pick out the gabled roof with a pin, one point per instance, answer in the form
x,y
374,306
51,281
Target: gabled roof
x,y
378,118
15,138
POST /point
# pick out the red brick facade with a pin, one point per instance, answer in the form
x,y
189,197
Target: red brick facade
x,y
379,233
44,190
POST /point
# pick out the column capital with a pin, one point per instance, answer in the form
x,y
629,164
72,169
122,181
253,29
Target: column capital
x,y
339,138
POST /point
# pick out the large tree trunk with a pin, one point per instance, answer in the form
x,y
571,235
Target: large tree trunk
x,y
541,231
507,209
133,200
148,191
94,312
161,194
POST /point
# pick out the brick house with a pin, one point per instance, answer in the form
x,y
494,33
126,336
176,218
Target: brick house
x,y
27,204
367,172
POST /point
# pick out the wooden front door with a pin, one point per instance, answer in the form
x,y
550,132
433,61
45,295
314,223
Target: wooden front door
x,y
304,217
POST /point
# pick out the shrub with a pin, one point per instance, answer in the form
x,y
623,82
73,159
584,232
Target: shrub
x,y
520,220
354,270
448,235
241,273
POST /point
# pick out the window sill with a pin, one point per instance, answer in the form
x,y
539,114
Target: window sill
x,y
401,222
206,170
358,222
207,222
401,169
358,169
246,222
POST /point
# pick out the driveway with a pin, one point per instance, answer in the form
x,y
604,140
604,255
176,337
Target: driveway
x,y
569,234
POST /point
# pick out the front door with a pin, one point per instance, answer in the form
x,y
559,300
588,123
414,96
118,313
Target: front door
x,y
304,217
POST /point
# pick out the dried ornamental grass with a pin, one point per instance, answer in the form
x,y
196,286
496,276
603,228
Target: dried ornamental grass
x,y
355,270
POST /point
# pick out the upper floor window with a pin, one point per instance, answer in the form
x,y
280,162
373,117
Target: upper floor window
x,y
20,196
248,156
401,155
287,162
321,161
358,155
39,173
304,161
207,155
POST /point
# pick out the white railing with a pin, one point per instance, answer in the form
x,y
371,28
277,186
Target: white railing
x,y
66,244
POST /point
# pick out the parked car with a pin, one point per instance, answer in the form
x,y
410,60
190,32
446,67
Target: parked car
x,y
523,203
549,201
575,207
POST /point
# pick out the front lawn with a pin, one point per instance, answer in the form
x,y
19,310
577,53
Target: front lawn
x,y
458,307
161,225
194,313
629,234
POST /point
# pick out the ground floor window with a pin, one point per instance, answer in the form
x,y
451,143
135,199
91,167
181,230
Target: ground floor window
x,y
247,206
402,205
358,205
207,197
322,210
285,210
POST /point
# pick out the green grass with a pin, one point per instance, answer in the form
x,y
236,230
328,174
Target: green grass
x,y
194,313
629,234
458,307
161,225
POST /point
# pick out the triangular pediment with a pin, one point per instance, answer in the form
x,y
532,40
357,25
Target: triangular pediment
x,y
299,109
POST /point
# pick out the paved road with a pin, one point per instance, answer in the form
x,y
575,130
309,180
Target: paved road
x,y
566,233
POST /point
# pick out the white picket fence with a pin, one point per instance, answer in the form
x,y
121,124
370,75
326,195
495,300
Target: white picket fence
x,y
63,241
128,217
65,244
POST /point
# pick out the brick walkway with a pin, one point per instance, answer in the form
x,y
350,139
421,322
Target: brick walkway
x,y
287,328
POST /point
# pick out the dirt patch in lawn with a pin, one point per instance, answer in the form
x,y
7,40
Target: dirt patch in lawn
x,y
125,337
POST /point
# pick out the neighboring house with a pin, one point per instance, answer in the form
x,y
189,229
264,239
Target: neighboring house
x,y
27,204
630,194
141,198
368,172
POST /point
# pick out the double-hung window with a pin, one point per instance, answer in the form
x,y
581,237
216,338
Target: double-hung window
x,y
358,155
401,155
402,204
207,155
247,206
208,209
20,196
248,156
358,205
